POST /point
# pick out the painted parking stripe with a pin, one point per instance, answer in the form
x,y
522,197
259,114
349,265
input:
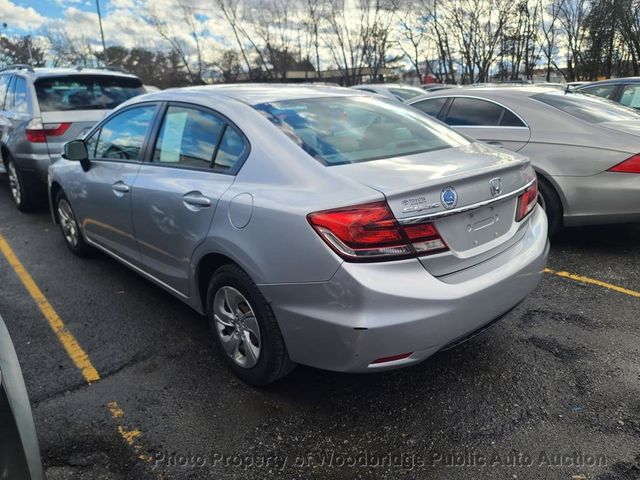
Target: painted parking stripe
x,y
592,281
77,354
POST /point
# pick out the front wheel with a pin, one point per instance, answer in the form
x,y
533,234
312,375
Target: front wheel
x,y
245,329
69,226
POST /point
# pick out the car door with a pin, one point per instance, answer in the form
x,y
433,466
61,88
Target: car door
x,y
487,121
103,199
194,160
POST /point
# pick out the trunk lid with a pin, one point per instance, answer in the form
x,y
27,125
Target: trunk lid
x,y
631,127
469,193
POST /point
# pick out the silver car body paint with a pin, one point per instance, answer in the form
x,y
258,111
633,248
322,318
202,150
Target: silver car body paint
x,y
572,154
333,314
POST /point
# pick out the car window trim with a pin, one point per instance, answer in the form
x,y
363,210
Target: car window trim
x,y
9,77
98,129
148,159
453,97
9,95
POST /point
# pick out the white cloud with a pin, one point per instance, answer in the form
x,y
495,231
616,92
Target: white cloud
x,y
19,17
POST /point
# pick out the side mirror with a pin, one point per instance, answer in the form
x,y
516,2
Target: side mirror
x,y
76,150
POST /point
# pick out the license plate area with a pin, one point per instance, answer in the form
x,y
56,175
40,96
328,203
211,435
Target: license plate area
x,y
470,230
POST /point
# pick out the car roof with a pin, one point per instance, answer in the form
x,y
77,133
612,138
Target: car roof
x,y
255,93
615,81
42,72
490,92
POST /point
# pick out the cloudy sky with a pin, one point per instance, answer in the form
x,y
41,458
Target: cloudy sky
x,y
121,18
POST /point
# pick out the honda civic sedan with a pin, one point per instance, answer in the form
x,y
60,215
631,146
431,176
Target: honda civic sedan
x,y
312,225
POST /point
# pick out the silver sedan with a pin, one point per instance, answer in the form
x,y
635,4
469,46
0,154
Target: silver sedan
x,y
584,149
311,225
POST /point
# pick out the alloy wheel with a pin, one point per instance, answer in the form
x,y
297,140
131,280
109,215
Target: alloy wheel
x,y
237,326
68,222
14,183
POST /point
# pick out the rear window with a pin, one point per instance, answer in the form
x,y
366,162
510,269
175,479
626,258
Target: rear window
x,y
346,130
587,107
85,92
406,93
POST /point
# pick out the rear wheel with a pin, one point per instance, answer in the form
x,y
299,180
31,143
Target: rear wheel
x,y
550,201
245,329
20,191
69,226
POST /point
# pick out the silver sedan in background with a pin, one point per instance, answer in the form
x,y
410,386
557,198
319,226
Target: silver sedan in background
x,y
312,225
395,91
585,150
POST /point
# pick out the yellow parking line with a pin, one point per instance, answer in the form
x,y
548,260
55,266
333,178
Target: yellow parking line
x,y
68,341
593,281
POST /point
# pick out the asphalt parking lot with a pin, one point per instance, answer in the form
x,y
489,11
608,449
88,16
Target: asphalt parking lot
x,y
550,392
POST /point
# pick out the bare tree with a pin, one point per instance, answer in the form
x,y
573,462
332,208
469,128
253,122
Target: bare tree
x,y
572,15
67,50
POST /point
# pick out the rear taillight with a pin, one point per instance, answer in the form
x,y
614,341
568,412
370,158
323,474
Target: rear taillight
x,y
371,232
36,132
527,201
630,165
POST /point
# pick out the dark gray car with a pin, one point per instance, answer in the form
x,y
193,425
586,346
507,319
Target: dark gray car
x,y
19,451
41,109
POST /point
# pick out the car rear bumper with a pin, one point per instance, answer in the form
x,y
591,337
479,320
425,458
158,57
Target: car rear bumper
x,y
35,165
608,197
369,311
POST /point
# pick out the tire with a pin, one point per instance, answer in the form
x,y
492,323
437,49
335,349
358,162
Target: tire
x,y
552,205
235,310
21,191
69,226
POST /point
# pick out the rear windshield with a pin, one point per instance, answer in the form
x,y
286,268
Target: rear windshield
x,y
344,130
406,93
85,92
588,108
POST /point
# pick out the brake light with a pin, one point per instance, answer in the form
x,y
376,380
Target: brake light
x,y
527,201
36,132
630,165
371,232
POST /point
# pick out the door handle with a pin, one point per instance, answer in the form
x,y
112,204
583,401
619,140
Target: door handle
x,y
496,144
196,199
120,187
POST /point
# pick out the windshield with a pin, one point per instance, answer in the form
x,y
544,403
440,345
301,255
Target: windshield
x,y
357,129
85,92
587,107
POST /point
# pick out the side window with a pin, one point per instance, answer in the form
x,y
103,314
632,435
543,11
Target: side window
x,y
431,107
4,87
92,143
475,112
604,91
188,137
230,151
121,138
510,119
20,96
631,96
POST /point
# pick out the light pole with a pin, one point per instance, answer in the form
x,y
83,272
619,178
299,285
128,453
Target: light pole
x,y
104,47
